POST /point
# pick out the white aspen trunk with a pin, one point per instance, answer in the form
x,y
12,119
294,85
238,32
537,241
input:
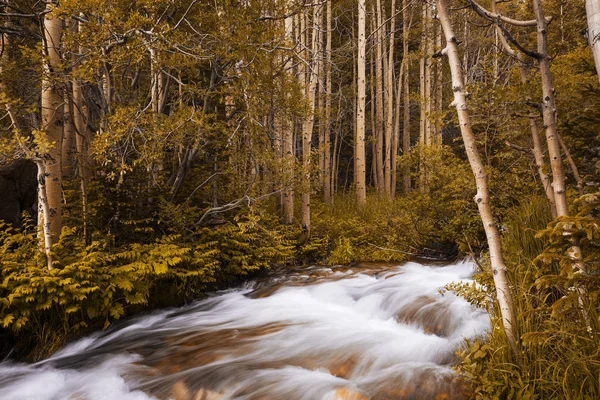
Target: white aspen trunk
x,y
592,9
406,182
320,109
423,96
549,113
482,197
52,120
439,101
428,74
308,123
373,119
327,195
396,139
379,106
44,211
287,201
391,143
359,141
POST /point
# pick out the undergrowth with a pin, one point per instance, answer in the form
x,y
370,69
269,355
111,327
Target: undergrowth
x,y
555,304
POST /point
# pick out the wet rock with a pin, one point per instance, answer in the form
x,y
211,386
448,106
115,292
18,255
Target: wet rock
x,y
348,394
180,391
205,394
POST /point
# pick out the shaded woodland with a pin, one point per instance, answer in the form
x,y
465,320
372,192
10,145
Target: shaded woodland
x,y
152,151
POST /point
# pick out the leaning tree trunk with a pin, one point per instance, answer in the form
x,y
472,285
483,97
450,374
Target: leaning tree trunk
x,y
538,154
549,113
52,120
360,171
482,198
592,8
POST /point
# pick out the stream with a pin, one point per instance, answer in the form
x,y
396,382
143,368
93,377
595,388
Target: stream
x,y
370,332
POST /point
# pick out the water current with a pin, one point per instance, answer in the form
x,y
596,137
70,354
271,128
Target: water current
x,y
370,332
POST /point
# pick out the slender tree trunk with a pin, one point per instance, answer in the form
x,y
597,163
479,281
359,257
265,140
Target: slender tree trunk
x,y
391,137
359,141
379,106
549,113
406,183
45,211
52,119
592,8
288,147
423,92
327,192
482,197
69,147
308,123
535,136
439,84
81,137
574,169
373,119
428,74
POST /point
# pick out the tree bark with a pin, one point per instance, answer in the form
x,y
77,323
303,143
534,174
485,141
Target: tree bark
x,y
309,120
52,119
359,140
391,135
549,113
379,106
592,9
287,201
482,197
327,196
406,183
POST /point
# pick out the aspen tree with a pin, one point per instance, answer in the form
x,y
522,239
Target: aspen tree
x,y
80,112
359,140
549,112
52,118
391,136
378,30
535,136
482,198
406,183
44,231
287,201
548,105
327,192
438,89
309,120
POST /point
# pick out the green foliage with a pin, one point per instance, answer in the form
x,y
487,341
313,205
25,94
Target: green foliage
x,y
96,284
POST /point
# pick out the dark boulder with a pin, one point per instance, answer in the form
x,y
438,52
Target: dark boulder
x,y
18,190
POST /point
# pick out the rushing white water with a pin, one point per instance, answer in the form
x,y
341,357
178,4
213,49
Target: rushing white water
x,y
317,333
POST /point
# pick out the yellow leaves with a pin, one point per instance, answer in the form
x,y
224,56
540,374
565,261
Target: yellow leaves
x,y
7,320
72,309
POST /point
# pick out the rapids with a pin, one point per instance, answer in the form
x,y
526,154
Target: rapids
x,y
311,333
